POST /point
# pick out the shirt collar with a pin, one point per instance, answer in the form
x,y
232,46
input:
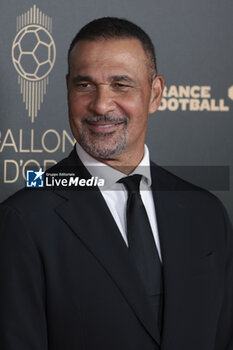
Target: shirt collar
x,y
112,175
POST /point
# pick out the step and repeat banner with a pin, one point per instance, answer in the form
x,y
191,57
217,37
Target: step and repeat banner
x,y
191,134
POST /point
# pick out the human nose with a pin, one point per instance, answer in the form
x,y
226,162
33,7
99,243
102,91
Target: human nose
x,y
102,100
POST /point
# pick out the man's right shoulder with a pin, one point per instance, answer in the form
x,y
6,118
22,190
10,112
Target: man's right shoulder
x,y
29,204
28,199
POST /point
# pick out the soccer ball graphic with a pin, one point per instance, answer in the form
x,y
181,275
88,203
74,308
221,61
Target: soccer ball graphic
x,y
33,52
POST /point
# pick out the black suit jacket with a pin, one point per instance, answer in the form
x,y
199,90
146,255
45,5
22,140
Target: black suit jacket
x,y
66,281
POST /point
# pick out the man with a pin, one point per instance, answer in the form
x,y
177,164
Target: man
x,y
73,272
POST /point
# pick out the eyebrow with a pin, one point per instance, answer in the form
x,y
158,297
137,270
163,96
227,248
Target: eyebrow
x,y
81,78
123,77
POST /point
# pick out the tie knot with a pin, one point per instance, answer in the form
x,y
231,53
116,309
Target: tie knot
x,y
131,183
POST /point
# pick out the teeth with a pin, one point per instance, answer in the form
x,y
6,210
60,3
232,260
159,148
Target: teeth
x,y
105,126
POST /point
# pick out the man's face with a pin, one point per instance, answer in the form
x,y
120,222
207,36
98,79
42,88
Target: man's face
x,y
109,96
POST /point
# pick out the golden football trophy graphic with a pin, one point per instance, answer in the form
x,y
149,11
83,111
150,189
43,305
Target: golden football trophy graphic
x,y
33,56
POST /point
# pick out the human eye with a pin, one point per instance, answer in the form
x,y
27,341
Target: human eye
x,y
121,86
84,86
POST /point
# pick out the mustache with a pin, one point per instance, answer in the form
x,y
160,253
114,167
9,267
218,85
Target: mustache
x,y
105,118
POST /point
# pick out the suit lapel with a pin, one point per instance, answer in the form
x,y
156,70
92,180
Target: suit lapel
x,y
174,212
170,215
88,216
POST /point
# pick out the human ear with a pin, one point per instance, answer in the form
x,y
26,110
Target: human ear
x,y
156,93
67,80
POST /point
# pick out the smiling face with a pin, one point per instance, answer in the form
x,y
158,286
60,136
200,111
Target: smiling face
x,y
110,95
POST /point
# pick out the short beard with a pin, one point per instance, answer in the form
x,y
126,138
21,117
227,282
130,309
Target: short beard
x,y
104,150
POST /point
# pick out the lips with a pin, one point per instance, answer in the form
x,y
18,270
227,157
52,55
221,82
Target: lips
x,y
104,128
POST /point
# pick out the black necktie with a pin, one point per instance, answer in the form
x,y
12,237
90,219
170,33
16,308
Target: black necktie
x,y
142,247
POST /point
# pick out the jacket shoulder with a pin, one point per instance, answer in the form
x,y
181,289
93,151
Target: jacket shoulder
x,y
165,180
34,198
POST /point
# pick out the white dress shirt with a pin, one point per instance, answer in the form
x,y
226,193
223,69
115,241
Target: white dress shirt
x,y
115,194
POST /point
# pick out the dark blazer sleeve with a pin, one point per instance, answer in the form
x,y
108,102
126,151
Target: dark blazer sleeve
x,y
224,338
22,298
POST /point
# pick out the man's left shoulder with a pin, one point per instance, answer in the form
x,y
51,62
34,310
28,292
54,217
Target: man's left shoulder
x,y
191,197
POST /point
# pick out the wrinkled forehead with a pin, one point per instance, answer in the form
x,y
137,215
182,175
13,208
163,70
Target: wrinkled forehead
x,y
104,53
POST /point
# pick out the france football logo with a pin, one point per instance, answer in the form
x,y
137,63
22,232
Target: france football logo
x,y
35,178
